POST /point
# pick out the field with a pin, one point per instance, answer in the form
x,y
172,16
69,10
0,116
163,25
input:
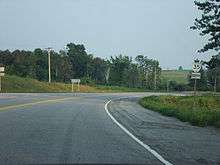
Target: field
x,y
15,84
201,111
175,75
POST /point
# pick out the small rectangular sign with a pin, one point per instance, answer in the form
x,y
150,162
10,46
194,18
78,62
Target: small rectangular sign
x,y
2,69
2,74
195,75
75,80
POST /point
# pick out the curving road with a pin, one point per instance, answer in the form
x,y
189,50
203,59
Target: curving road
x,y
75,128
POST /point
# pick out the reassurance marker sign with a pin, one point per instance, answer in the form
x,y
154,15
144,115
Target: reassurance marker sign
x,y
195,75
196,67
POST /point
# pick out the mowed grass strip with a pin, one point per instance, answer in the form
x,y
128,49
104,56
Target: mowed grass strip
x,y
205,111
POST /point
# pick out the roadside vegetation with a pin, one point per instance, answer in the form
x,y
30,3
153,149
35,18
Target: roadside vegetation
x,y
14,84
140,73
199,111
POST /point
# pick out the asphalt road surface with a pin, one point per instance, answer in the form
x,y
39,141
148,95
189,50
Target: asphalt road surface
x,y
75,129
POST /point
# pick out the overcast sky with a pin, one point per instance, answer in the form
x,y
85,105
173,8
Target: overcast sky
x,y
156,28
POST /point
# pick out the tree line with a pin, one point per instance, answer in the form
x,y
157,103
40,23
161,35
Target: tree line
x,y
121,70
75,62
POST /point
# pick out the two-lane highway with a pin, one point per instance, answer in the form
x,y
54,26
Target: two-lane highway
x,y
74,130
69,128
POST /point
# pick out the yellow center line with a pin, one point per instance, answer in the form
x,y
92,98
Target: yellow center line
x,y
34,103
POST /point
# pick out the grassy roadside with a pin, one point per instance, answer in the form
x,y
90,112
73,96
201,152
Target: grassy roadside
x,y
15,84
206,111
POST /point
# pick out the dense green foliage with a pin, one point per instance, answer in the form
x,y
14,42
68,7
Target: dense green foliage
x,y
74,62
213,72
208,24
205,111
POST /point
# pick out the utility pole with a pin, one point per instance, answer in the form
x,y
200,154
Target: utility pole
x,y
2,70
195,84
49,70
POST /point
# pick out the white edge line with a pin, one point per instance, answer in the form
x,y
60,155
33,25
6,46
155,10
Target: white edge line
x,y
153,152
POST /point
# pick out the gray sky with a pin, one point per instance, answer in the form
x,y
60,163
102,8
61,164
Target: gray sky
x,y
156,28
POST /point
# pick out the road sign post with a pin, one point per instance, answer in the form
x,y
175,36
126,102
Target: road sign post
x,y
2,70
196,75
76,81
195,84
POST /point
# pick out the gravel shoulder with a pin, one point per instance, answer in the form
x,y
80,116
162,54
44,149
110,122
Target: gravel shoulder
x,y
178,142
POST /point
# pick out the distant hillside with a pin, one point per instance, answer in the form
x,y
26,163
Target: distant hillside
x,y
176,75
24,85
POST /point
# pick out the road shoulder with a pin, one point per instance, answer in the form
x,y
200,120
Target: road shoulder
x,y
176,141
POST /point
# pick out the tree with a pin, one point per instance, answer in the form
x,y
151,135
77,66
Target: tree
x,y
180,68
209,24
21,64
118,66
131,76
65,70
40,64
149,71
98,70
79,59
6,60
213,72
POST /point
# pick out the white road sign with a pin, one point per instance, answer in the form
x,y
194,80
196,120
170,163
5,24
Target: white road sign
x,y
75,81
195,75
2,69
196,67
2,74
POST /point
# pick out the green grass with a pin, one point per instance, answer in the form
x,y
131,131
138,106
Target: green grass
x,y
15,84
175,75
205,111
